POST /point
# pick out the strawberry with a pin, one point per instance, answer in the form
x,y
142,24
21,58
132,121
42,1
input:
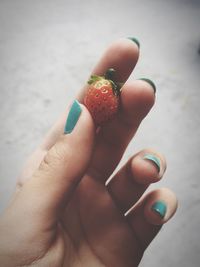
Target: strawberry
x,y
102,97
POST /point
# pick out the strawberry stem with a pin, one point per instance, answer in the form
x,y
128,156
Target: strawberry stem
x,y
109,75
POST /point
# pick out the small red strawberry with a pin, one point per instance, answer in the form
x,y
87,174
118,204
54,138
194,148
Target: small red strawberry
x,y
102,97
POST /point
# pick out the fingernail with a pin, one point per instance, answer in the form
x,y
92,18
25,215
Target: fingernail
x,y
160,208
149,82
135,41
154,159
73,116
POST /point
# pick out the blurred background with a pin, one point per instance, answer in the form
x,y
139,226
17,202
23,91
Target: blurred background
x,y
47,50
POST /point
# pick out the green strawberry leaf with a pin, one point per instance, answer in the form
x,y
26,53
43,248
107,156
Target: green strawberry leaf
x,y
94,78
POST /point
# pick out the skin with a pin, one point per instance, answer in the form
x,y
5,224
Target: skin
x,y
62,213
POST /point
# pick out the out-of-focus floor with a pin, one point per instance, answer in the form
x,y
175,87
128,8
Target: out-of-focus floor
x,y
47,49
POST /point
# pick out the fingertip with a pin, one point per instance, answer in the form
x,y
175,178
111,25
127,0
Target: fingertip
x,y
160,206
148,167
150,82
137,99
144,172
135,41
122,55
126,48
79,123
156,160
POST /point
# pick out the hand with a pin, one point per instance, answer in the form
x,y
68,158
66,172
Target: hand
x,y
62,213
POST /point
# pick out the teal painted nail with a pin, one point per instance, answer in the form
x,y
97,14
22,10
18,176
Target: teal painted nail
x,y
160,208
149,82
153,159
135,41
73,117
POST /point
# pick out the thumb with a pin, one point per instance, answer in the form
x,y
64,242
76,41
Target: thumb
x,y
52,185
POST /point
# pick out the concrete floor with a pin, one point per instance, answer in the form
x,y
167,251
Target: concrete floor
x,y
47,49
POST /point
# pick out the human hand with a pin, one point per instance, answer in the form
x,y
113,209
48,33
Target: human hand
x,y
62,213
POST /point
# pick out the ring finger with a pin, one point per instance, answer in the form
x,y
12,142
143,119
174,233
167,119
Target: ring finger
x,y
129,183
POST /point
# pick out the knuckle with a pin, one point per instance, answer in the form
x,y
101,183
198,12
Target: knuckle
x,y
57,155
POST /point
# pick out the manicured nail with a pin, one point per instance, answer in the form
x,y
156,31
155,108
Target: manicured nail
x,y
149,82
153,159
135,41
160,208
73,117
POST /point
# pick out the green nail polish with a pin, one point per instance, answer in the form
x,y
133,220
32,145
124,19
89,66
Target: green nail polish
x,y
73,117
135,41
160,208
149,82
153,159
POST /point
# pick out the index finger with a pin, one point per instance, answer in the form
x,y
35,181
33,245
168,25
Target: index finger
x,y
122,56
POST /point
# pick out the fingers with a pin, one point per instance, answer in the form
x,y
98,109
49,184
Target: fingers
x,y
148,216
63,166
145,214
121,55
137,98
129,183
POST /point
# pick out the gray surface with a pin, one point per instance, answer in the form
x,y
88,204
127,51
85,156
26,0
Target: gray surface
x,y
47,49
